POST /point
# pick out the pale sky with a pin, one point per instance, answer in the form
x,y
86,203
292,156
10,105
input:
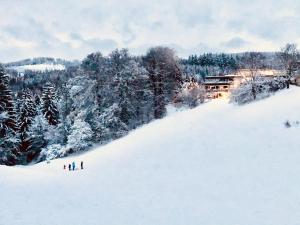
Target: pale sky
x,y
72,29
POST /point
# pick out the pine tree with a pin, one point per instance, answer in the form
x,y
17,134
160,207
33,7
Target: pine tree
x,y
8,127
49,107
36,132
27,111
26,116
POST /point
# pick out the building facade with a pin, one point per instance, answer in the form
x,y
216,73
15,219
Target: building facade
x,y
220,86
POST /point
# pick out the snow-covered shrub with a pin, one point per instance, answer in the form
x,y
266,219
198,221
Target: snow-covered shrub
x,y
45,139
51,152
256,88
191,94
278,83
243,94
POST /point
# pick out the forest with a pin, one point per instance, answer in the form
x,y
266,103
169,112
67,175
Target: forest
x,y
50,114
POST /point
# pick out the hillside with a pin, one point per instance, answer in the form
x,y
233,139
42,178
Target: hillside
x,y
40,64
215,164
38,67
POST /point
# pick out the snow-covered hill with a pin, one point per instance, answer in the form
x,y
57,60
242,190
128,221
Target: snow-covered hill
x,y
217,164
41,64
39,67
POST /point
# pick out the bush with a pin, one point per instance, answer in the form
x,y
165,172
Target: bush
x,y
257,88
192,94
51,152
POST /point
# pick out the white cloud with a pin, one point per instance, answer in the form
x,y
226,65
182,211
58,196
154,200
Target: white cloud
x,y
74,28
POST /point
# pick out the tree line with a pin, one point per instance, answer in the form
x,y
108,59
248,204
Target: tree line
x,y
45,115
100,100
256,86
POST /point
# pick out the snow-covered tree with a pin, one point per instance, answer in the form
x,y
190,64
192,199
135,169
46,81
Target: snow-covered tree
x,y
125,91
8,127
49,107
80,136
51,152
110,124
191,94
289,57
64,108
95,66
253,89
26,115
165,77
37,133
142,96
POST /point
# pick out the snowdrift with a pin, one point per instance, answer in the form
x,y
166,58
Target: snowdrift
x,y
218,164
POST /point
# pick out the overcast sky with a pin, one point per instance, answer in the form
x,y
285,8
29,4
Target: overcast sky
x,y
73,28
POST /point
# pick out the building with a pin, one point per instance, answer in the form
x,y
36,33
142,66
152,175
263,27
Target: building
x,y
220,86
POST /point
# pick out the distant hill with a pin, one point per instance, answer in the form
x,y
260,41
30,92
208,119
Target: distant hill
x,y
41,64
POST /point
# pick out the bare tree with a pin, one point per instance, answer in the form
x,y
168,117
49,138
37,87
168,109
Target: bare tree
x,y
254,62
289,57
191,94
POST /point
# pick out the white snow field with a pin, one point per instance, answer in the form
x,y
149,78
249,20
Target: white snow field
x,y
39,67
217,164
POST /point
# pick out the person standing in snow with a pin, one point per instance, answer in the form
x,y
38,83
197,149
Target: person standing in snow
x,y
81,165
64,166
73,165
69,167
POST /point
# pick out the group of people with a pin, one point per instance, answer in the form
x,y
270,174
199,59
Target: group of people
x,y
72,166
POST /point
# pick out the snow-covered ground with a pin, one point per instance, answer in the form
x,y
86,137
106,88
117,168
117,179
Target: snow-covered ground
x,y
217,164
39,67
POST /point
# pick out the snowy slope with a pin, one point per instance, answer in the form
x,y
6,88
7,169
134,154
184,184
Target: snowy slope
x,y
217,164
39,67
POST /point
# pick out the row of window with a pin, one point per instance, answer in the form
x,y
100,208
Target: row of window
x,y
225,87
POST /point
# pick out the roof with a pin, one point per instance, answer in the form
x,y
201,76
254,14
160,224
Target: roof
x,y
217,83
218,77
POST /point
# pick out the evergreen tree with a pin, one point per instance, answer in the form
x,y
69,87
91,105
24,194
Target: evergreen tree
x,y
37,132
27,113
49,107
8,127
